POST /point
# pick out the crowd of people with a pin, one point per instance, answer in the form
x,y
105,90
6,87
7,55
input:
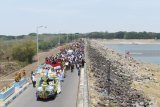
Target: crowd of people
x,y
55,67
68,58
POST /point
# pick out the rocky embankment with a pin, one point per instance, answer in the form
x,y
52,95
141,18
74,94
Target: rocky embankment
x,y
111,79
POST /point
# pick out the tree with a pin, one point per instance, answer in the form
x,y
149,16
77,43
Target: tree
x,y
32,34
119,35
24,51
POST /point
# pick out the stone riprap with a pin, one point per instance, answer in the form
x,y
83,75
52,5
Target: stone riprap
x,y
111,77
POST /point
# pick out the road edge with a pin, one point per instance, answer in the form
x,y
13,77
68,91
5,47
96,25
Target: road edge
x,y
83,93
13,97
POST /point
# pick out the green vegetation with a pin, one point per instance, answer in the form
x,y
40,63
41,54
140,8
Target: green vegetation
x,y
22,48
48,41
24,51
124,35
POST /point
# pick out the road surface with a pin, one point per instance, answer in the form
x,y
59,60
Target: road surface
x,y
67,98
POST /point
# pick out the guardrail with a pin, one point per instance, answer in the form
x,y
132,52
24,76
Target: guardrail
x,y
20,83
11,90
6,94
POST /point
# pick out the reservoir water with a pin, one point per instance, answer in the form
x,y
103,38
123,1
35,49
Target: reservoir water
x,y
147,53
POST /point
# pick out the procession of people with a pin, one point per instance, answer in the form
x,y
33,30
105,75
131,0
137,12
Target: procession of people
x,y
54,70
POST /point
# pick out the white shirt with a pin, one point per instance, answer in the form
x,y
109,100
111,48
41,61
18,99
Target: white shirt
x,y
33,78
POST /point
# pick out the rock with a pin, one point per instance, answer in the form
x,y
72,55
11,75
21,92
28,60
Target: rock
x,y
112,75
141,103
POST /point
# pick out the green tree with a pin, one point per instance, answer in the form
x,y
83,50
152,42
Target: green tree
x,y
24,51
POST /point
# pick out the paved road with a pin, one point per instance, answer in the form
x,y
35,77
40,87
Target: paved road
x,y
67,98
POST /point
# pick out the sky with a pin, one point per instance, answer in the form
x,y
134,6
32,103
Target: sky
x,y
18,17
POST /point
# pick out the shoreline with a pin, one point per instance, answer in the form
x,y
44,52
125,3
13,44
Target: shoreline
x,y
146,77
129,41
105,42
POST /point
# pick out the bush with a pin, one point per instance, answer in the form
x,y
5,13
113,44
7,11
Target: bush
x,y
24,51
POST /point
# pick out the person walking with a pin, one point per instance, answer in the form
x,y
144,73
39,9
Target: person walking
x,y
60,76
31,75
33,80
83,61
72,67
79,70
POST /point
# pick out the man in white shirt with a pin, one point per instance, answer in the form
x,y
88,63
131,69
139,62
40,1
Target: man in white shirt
x,y
33,80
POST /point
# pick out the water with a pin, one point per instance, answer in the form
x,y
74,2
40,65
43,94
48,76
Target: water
x,y
147,53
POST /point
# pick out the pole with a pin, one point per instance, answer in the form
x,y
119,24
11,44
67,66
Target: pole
x,y
109,82
37,42
59,40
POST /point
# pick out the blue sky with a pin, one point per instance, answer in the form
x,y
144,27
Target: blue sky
x,y
69,16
